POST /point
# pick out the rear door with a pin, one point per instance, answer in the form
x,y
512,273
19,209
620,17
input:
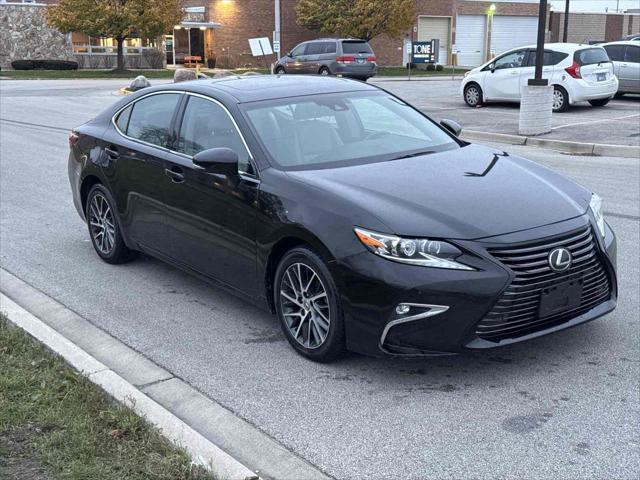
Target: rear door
x,y
211,217
630,70
616,55
550,66
502,82
312,57
137,147
595,66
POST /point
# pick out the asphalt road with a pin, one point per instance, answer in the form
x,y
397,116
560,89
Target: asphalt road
x,y
616,123
563,406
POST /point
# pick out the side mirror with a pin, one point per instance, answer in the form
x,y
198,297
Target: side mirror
x,y
492,67
218,160
453,127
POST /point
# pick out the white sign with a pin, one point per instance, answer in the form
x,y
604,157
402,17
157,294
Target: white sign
x,y
276,46
454,50
408,47
260,46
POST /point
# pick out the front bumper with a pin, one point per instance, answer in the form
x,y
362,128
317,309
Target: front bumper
x,y
449,304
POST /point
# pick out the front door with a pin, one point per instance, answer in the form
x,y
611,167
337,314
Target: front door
x,y
211,217
295,64
503,83
138,147
629,75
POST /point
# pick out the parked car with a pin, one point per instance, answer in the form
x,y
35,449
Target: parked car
x,y
358,220
633,36
329,56
626,64
577,72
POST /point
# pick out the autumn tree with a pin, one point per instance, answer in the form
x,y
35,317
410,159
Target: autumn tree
x,y
118,19
363,19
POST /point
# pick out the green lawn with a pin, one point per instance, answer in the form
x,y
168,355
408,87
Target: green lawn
x,y
55,424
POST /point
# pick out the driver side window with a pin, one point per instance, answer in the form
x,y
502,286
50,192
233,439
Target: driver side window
x,y
511,60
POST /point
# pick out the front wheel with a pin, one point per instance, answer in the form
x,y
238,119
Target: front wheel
x,y
560,99
307,304
473,95
601,102
280,71
104,228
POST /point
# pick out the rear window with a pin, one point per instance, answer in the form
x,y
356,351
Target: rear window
x,y
550,58
355,47
590,56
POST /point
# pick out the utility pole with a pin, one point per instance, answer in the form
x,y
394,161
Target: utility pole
x,y
565,32
276,33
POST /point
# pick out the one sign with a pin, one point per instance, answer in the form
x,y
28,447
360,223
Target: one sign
x,y
260,46
408,48
425,52
276,46
454,50
415,29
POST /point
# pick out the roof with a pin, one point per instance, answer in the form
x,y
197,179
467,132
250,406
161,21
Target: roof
x,y
251,88
560,47
621,42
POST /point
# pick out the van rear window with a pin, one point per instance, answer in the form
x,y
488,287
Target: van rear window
x,y
589,56
356,47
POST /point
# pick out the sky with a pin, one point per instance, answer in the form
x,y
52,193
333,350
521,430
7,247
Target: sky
x,y
595,5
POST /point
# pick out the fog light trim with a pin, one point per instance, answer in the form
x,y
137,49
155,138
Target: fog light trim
x,y
429,311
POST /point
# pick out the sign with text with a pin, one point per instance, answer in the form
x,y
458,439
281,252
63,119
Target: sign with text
x,y
425,52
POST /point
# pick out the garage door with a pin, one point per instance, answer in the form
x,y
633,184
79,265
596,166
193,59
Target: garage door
x,y
470,39
512,32
436,27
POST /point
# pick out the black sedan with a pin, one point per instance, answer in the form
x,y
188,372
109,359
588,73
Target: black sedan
x,y
359,221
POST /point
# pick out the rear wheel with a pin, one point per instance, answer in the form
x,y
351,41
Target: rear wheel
x,y
324,71
307,305
280,70
601,102
104,228
473,95
560,99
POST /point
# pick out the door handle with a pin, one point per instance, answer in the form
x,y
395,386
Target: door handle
x,y
514,72
175,174
111,152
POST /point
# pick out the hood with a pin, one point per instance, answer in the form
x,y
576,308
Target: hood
x,y
465,193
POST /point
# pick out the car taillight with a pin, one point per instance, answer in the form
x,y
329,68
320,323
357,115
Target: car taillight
x,y
73,139
574,70
371,59
346,59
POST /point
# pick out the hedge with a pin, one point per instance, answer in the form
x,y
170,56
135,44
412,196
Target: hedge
x,y
44,65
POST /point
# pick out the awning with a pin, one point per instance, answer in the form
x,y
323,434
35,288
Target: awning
x,y
200,25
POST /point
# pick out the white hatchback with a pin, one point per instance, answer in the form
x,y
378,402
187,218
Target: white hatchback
x,y
577,72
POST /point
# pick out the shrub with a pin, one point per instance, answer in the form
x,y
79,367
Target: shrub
x,y
439,68
430,67
44,65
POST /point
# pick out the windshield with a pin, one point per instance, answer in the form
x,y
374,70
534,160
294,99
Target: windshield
x,y
342,129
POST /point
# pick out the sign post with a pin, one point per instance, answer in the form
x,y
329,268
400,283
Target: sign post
x,y
409,50
260,47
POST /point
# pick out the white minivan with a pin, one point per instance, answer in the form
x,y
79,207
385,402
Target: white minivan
x,y
577,72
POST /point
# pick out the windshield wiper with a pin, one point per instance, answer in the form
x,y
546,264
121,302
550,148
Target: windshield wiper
x,y
416,154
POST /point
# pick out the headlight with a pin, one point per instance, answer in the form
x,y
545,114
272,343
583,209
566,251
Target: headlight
x,y
414,251
596,207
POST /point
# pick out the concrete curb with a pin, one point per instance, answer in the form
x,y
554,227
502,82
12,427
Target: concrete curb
x,y
214,436
565,146
202,451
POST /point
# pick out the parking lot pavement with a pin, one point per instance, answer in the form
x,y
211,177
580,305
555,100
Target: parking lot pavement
x,y
562,406
616,123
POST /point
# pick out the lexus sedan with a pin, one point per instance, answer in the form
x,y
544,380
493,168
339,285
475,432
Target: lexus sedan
x,y
360,222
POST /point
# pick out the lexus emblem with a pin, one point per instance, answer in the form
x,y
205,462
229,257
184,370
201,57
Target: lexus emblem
x,y
560,259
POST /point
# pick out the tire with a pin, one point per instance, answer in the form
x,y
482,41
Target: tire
x,y
601,102
104,227
473,95
313,324
560,99
280,71
324,71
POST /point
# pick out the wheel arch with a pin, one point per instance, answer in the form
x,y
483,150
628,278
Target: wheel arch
x,y
278,250
566,92
87,183
477,84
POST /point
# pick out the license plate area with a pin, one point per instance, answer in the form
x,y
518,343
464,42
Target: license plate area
x,y
601,77
361,60
560,298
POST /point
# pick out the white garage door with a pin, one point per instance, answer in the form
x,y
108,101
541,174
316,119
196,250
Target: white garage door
x,y
512,32
470,39
436,27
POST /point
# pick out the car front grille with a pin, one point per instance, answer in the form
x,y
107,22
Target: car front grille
x,y
516,313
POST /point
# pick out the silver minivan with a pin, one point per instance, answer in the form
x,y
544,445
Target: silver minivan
x,y
625,56
330,56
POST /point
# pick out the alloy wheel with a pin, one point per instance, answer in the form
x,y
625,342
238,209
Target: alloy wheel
x,y
558,99
324,72
305,305
472,96
102,224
